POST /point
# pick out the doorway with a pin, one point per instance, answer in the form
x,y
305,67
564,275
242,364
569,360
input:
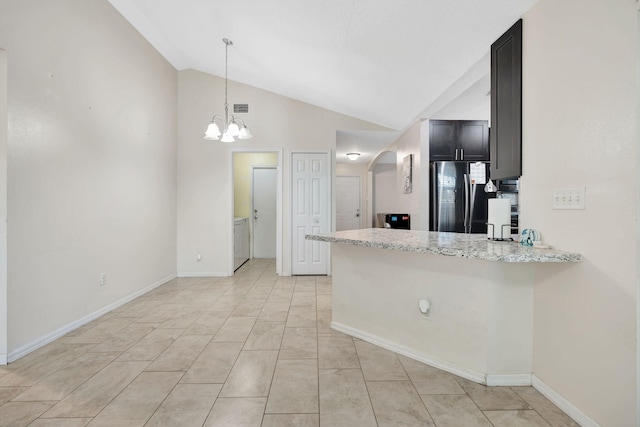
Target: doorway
x,y
348,203
243,162
263,212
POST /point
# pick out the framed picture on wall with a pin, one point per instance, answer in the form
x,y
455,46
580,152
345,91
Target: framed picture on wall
x,y
407,166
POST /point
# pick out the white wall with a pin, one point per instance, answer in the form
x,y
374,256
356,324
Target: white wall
x,y
91,164
204,185
410,143
385,189
580,118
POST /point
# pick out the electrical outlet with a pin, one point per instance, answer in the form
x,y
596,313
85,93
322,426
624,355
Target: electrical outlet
x,y
569,198
103,279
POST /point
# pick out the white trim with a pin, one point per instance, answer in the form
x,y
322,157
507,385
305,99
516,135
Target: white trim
x,y
492,380
202,274
452,368
567,407
508,380
46,339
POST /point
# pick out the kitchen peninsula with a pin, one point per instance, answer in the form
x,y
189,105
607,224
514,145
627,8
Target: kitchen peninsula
x,y
479,293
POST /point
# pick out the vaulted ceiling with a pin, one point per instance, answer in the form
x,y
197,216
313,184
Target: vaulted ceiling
x,y
383,61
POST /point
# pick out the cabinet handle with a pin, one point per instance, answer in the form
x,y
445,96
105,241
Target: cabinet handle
x,y
456,154
462,154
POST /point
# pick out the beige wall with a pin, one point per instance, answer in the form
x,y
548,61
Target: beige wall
x,y
204,167
242,163
91,164
410,143
580,117
385,189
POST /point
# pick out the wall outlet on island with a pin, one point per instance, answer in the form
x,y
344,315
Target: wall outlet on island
x,y
103,279
424,305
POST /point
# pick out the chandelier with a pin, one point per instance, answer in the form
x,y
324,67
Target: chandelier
x,y
229,124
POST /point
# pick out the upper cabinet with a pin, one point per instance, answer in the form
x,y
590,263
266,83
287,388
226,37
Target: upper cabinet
x,y
459,140
506,104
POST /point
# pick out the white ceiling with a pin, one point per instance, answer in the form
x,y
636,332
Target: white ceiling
x,y
377,60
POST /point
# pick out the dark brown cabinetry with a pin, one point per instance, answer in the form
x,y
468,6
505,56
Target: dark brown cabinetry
x,y
506,104
458,140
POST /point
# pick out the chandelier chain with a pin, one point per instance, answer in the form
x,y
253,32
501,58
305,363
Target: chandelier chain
x,y
226,71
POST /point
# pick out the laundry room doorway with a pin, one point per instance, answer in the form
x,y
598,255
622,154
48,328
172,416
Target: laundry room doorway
x,y
257,182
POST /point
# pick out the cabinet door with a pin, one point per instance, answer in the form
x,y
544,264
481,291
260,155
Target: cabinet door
x,y
442,144
506,104
473,140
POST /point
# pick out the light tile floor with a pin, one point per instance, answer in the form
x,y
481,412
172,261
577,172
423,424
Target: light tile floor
x,y
251,350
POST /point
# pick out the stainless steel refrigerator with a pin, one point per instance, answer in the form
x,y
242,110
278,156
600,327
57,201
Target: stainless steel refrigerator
x,y
458,201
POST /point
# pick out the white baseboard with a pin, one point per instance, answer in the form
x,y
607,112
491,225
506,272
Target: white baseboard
x,y
567,407
202,274
508,380
46,339
472,375
469,374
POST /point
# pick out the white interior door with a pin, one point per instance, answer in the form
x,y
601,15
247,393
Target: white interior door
x,y
348,203
264,212
310,212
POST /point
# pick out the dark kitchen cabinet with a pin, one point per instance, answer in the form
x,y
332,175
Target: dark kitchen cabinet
x,y
458,140
506,104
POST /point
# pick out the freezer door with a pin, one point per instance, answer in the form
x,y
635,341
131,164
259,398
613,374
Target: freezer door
x,y
448,196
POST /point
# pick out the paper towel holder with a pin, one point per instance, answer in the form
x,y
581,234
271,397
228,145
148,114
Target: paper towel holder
x,y
501,238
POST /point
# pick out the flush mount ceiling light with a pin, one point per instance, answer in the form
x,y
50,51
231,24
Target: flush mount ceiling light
x,y
353,156
229,123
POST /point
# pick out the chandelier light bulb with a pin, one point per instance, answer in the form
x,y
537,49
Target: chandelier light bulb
x,y
227,138
244,133
233,129
213,132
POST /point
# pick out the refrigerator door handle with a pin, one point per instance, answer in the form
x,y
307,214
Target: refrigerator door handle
x,y
472,203
466,202
435,197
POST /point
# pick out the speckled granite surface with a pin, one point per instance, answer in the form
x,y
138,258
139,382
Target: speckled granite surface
x,y
475,246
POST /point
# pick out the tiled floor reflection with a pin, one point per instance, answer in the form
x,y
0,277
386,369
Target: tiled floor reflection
x,y
254,349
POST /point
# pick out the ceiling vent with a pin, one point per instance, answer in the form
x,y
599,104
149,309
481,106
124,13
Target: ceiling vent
x,y
240,108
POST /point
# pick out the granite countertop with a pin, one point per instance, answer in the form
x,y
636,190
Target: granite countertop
x,y
475,246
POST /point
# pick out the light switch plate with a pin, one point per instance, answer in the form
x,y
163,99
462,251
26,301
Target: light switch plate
x,y
569,198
